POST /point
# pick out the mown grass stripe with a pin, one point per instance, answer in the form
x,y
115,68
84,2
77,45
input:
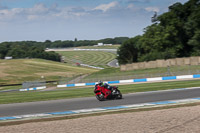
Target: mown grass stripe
x,y
95,58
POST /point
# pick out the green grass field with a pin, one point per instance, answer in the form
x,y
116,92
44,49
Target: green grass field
x,y
110,74
20,70
17,97
94,58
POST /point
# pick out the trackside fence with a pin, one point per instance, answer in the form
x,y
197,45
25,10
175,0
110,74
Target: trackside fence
x,y
164,72
33,85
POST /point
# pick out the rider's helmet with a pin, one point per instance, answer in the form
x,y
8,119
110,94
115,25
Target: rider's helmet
x,y
100,82
105,84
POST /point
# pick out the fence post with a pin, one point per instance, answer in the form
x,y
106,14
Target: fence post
x,y
168,71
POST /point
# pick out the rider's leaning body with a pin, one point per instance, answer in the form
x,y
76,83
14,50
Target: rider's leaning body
x,y
101,84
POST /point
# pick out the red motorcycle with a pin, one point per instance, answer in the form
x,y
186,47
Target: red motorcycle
x,y
110,92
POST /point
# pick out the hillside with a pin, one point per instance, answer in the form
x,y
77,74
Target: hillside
x,y
20,70
94,58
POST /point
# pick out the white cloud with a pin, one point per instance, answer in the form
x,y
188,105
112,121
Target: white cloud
x,y
38,9
6,14
32,17
138,1
130,6
25,13
106,7
39,12
152,9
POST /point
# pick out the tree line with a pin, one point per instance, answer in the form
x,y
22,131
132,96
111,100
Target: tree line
x,y
34,49
29,49
77,43
175,33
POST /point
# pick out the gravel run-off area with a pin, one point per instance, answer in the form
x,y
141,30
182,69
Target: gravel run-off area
x,y
174,120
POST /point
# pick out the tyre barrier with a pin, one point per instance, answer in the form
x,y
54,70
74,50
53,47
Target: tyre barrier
x,y
31,89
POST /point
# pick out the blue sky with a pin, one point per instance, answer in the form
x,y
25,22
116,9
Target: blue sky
x,y
40,20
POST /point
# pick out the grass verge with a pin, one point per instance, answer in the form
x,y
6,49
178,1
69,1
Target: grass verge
x,y
10,87
18,97
115,73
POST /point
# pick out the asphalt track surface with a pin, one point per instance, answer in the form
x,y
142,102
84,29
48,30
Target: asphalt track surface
x,y
92,102
113,63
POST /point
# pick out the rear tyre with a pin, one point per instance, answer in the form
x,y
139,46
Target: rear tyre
x,y
119,96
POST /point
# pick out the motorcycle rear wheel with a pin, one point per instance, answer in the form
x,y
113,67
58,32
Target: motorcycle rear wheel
x,y
119,96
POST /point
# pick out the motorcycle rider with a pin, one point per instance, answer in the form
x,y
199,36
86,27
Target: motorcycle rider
x,y
101,84
98,84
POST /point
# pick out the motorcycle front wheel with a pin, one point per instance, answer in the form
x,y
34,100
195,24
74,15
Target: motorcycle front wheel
x,y
100,97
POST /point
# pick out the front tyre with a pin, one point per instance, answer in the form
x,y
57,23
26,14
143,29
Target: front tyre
x,y
100,97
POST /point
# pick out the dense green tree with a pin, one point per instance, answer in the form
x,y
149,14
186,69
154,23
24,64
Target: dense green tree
x,y
195,43
75,39
17,52
175,33
28,49
128,51
47,44
3,51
